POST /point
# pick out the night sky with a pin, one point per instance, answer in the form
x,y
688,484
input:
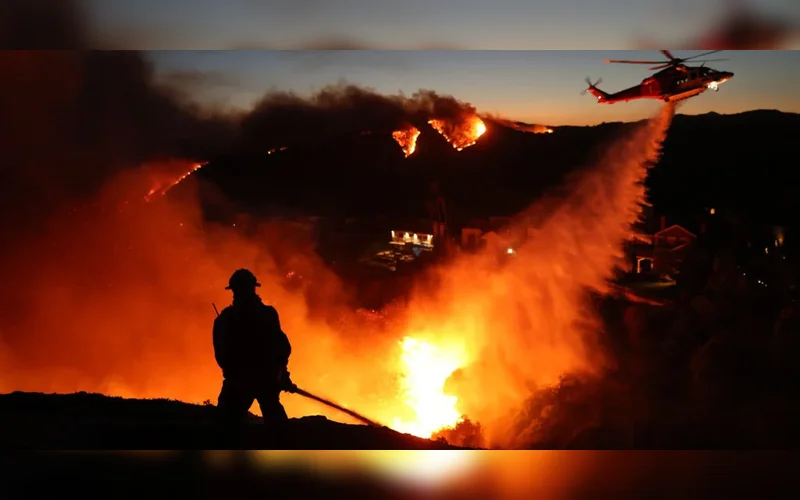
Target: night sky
x,y
464,24
533,86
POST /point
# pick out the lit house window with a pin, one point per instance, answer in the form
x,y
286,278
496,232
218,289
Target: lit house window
x,y
399,237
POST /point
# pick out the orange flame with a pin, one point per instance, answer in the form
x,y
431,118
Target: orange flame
x,y
460,135
426,370
532,128
275,150
160,189
407,139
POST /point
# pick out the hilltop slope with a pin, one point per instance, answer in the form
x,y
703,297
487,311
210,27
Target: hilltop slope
x,y
708,159
96,422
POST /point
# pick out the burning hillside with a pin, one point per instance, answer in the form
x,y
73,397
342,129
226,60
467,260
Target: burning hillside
x,y
342,110
475,345
167,181
419,370
462,133
339,111
407,139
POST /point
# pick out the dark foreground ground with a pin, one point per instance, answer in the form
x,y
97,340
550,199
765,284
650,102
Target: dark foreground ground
x,y
88,421
96,422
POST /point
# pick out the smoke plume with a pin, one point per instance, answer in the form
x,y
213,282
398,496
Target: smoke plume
x,y
531,128
71,120
283,119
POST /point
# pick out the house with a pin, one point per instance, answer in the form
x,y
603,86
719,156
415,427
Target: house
x,y
662,252
670,247
403,238
673,237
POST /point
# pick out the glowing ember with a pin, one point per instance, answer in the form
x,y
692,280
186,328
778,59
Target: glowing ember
x,y
426,371
161,189
275,150
460,135
407,139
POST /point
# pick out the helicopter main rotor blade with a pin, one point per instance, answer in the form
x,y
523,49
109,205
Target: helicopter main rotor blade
x,y
617,61
700,55
672,62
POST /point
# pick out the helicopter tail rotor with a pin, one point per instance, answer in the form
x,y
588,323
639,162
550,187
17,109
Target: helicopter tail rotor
x,y
591,85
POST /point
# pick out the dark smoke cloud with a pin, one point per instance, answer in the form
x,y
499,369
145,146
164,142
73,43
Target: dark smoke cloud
x,y
42,24
739,26
71,119
284,118
288,118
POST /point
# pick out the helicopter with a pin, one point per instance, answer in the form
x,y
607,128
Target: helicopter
x,y
674,82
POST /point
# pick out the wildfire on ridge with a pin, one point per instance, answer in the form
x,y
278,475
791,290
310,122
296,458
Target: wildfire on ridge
x,y
460,135
426,369
531,128
161,189
407,139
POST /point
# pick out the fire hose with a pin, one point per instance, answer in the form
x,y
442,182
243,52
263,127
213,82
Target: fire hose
x,y
331,404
